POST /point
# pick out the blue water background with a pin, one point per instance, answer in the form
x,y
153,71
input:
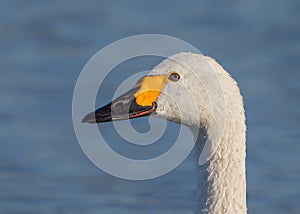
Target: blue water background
x,y
44,46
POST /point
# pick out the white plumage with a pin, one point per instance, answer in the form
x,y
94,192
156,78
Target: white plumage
x,y
221,180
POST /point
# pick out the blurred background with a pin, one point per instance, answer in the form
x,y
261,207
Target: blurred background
x,y
45,45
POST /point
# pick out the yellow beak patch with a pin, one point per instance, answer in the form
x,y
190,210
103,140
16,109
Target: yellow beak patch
x,y
151,87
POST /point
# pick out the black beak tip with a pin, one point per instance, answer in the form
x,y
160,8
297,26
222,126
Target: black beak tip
x,y
104,114
89,118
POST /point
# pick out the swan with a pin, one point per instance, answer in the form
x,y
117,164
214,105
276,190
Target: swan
x,y
169,92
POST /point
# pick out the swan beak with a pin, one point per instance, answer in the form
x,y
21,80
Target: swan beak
x,y
122,108
140,101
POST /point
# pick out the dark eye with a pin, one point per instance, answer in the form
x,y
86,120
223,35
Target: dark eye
x,y
174,77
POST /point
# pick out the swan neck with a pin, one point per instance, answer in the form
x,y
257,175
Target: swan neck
x,y
221,184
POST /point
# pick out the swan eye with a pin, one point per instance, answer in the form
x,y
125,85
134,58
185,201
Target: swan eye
x,y
174,77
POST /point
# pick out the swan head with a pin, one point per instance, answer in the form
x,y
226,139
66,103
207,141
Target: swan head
x,y
177,89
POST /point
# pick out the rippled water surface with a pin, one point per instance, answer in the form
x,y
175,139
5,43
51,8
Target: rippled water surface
x,y
44,46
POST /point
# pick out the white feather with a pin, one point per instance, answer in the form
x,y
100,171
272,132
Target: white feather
x,y
208,98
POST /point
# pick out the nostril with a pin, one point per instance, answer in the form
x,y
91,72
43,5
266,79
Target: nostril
x,y
118,104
